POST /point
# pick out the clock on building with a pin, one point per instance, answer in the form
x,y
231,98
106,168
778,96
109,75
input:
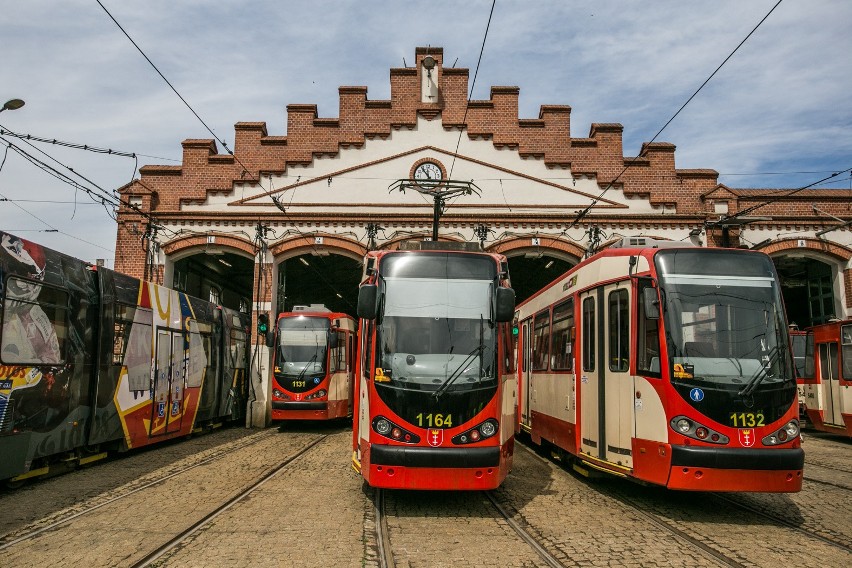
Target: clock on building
x,y
428,170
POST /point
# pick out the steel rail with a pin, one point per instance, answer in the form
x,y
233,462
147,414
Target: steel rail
x,y
784,522
180,537
548,558
216,456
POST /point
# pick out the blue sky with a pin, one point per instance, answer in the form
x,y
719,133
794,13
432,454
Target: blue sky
x,y
782,104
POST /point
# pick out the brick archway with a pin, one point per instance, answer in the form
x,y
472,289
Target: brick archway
x,y
190,244
518,244
296,246
834,250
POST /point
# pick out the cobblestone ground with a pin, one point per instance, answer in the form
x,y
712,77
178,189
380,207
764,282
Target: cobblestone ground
x,y
42,498
123,532
441,528
316,512
593,523
311,514
581,525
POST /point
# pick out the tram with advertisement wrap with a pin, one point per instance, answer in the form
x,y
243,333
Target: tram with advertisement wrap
x,y
435,399
92,360
827,377
313,367
666,364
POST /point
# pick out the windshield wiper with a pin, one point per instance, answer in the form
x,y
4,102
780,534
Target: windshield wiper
x,y
457,373
760,374
308,364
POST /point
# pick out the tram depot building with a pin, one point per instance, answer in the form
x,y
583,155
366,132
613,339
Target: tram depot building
x,y
286,220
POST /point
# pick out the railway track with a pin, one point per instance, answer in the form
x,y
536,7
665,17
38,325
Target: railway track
x,y
811,534
383,540
661,523
18,547
88,508
201,523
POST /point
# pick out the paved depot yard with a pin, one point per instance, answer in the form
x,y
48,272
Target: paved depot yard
x,y
317,512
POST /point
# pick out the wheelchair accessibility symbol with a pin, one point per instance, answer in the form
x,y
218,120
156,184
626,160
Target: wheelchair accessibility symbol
x,y
697,395
161,409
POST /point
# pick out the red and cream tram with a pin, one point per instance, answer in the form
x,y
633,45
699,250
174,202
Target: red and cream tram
x,y
312,364
436,403
666,364
827,378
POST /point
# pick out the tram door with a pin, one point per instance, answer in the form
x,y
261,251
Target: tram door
x,y
606,386
526,370
168,384
830,384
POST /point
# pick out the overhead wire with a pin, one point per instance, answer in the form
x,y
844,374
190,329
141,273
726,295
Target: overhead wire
x,y
473,84
51,227
779,195
192,110
646,146
101,196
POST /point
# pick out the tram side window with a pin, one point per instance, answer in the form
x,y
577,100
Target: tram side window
x,y
619,331
200,354
35,323
338,354
846,351
647,336
541,340
810,366
122,324
589,334
510,347
563,336
366,345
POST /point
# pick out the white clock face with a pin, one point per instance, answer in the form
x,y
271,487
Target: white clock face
x,y
428,171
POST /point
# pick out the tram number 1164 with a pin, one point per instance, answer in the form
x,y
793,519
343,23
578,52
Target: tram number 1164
x,y
435,420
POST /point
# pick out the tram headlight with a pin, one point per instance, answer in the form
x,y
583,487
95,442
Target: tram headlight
x,y
789,432
319,394
488,429
383,427
792,428
701,432
684,425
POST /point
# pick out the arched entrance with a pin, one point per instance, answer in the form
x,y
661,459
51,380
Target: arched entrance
x,y
213,267
807,289
535,262
329,279
811,275
318,270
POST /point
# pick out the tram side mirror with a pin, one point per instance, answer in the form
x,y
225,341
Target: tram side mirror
x,y
332,339
652,303
505,305
367,305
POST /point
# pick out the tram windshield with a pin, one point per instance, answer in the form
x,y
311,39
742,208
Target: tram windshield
x,y
724,322
301,346
436,341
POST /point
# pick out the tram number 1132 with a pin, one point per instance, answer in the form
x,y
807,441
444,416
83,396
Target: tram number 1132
x,y
746,419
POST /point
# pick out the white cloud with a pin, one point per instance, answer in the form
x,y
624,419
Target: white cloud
x,y
782,103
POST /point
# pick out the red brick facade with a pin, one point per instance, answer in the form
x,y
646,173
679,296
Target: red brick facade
x,y
685,199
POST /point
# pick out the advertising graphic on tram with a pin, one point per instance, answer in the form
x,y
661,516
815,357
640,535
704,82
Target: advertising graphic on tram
x,y
93,360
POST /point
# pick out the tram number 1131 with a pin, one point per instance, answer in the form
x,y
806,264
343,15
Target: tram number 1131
x,y
435,420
